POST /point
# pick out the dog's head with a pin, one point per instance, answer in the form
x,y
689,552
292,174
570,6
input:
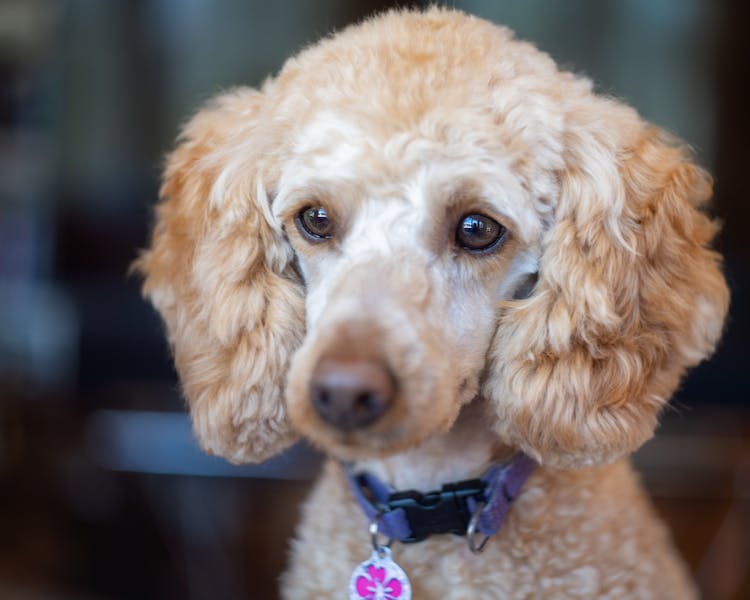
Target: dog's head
x,y
418,212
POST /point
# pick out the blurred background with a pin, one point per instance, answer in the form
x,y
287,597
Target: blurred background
x,y
103,492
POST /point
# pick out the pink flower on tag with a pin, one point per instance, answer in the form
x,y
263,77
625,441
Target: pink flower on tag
x,y
373,586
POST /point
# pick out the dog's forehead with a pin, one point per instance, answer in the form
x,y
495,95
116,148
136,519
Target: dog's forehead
x,y
418,167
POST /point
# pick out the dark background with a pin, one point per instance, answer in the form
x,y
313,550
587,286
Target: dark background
x,y
103,493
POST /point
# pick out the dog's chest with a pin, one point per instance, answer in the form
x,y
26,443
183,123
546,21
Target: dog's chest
x,y
599,538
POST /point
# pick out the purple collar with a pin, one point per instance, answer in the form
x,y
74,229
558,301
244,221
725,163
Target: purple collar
x,y
463,508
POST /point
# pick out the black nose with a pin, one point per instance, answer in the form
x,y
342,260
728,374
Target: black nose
x,y
351,394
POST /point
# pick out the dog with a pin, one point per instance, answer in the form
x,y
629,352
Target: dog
x,y
467,278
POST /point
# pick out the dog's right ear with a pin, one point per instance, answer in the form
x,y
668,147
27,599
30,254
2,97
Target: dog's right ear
x,y
220,272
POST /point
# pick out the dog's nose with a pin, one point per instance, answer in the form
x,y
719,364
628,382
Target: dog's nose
x,y
351,394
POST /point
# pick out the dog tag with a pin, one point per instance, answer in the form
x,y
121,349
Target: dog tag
x,y
379,578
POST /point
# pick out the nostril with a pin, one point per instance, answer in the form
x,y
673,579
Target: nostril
x,y
365,401
368,405
351,394
322,397
321,400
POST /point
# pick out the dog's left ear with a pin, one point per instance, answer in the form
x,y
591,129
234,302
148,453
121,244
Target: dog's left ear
x,y
221,273
629,295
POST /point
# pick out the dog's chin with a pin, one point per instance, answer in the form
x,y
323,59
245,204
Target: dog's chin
x,y
363,444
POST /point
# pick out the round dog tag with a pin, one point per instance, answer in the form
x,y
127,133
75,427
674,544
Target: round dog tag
x,y
379,578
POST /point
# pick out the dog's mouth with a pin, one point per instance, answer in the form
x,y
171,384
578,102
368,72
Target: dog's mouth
x,y
363,444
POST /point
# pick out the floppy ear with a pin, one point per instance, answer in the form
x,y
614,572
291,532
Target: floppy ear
x,y
220,272
629,295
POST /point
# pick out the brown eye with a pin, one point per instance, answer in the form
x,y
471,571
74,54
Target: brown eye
x,y
477,233
314,223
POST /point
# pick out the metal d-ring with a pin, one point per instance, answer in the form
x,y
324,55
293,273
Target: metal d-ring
x,y
471,530
379,548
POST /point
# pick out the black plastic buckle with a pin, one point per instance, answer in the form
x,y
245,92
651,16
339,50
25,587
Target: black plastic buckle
x,y
444,511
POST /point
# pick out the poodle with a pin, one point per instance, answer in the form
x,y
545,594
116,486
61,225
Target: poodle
x,y
467,278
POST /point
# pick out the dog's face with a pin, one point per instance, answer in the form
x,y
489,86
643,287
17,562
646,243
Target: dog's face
x,y
408,246
416,212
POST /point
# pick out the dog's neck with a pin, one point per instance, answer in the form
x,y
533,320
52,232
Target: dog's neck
x,y
463,452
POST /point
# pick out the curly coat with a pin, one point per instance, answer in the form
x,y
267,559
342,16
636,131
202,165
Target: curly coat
x,y
398,126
